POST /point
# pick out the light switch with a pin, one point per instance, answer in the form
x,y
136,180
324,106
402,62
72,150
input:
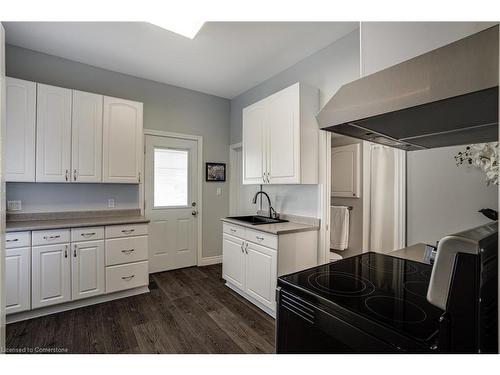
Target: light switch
x,y
14,206
219,191
111,203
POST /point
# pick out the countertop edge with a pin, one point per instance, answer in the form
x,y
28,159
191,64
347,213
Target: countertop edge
x,y
24,226
262,228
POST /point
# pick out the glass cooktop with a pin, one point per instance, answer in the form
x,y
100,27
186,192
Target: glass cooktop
x,y
382,288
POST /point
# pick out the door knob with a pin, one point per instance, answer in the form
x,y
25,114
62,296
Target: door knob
x,y
194,213
193,204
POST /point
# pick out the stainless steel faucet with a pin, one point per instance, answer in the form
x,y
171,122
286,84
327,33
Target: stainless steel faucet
x,y
272,212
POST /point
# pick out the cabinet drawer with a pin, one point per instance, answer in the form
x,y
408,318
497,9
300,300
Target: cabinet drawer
x,y
50,237
87,234
126,276
126,250
17,239
261,238
114,231
233,230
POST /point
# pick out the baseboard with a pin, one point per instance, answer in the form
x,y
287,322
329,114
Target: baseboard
x,y
207,261
36,313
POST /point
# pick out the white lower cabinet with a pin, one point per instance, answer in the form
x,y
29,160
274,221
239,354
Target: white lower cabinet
x,y
261,274
17,280
50,267
51,275
87,269
252,260
233,260
251,268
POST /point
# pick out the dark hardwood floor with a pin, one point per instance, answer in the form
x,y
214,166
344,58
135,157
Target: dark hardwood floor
x,y
187,311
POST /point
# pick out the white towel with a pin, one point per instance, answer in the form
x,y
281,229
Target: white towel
x,y
339,233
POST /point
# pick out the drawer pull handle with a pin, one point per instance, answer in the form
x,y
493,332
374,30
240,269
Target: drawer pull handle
x,y
50,238
128,231
128,251
260,238
128,278
13,240
233,230
88,234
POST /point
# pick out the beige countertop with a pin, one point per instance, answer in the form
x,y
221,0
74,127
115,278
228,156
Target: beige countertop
x,y
65,220
279,228
415,252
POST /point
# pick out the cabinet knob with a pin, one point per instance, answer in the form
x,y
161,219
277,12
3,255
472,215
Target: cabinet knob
x,y
74,174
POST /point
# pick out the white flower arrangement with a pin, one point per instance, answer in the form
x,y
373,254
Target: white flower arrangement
x,y
483,156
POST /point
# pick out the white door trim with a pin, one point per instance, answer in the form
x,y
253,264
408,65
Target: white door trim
x,y
199,217
325,182
234,193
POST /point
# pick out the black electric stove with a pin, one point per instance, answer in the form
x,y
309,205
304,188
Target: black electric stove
x,y
367,303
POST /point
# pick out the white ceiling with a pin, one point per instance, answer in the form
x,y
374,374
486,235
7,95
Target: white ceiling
x,y
225,58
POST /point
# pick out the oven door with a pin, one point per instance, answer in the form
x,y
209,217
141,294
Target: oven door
x,y
304,328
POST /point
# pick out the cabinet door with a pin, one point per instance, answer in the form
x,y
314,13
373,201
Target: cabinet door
x,y
346,171
20,130
122,141
53,134
86,137
87,269
50,277
233,261
17,279
283,134
260,274
254,144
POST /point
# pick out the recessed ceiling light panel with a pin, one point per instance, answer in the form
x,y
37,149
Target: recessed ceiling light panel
x,y
188,29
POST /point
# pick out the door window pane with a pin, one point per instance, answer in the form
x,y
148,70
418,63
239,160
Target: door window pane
x,y
170,177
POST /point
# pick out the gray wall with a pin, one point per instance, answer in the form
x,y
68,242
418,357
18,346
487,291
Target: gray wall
x,y
443,198
166,108
327,69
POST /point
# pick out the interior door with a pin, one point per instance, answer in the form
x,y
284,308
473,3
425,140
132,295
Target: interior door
x,y
53,134
172,202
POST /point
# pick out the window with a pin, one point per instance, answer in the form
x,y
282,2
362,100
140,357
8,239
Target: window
x,y
170,177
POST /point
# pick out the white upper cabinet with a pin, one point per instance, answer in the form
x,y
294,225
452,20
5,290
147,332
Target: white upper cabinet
x,y
86,134
53,138
122,141
20,130
281,138
283,134
254,144
346,171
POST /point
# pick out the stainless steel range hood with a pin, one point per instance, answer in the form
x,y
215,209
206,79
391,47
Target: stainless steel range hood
x,y
445,97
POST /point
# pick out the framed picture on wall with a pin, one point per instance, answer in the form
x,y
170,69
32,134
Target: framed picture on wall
x,y
215,172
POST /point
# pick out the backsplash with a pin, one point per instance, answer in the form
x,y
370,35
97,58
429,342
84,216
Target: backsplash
x,y
52,197
300,200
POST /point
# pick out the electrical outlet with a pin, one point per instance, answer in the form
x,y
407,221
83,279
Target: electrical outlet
x,y
14,205
111,203
219,191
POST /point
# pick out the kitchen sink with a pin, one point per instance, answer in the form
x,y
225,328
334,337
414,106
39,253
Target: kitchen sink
x,y
257,220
